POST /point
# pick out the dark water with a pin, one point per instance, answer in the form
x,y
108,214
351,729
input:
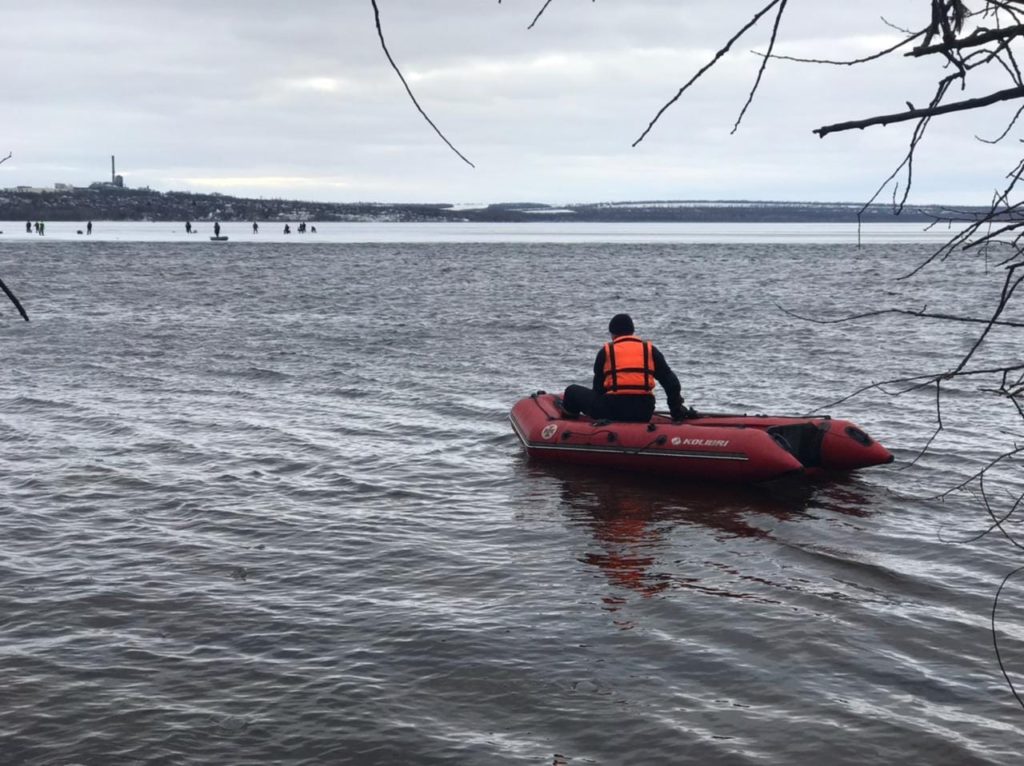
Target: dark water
x,y
261,505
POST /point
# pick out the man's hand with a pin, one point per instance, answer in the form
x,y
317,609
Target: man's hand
x,y
684,413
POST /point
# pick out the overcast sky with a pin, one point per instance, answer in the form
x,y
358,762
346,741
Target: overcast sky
x,y
296,100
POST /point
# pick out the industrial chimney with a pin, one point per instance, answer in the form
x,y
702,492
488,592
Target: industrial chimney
x,y
113,175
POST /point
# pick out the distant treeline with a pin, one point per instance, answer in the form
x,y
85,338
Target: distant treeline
x,y
114,204
118,204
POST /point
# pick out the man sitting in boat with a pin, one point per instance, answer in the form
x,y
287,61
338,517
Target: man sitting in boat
x,y
624,374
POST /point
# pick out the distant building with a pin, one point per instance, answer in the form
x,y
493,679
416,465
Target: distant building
x,y
116,181
64,187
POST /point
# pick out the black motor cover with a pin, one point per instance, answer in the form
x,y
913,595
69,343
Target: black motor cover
x,y
803,440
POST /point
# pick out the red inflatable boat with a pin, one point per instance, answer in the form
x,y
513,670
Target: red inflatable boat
x,y
729,448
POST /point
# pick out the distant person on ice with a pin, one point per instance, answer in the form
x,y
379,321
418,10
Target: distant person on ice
x,y
624,374
88,228
255,228
28,227
188,227
216,228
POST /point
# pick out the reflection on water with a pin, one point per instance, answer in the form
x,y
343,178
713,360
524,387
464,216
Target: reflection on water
x,y
634,521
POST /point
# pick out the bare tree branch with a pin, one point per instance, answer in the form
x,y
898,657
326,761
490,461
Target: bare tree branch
x,y
916,114
995,641
764,64
980,473
14,298
384,46
915,383
539,14
888,23
997,26
1009,287
725,49
1006,132
882,312
978,37
995,524
7,291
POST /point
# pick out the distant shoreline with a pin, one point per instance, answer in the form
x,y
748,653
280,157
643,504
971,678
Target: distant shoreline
x,y
121,204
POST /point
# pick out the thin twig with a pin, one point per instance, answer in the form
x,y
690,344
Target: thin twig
x,y
995,641
918,382
725,49
1009,287
908,160
849,62
14,299
539,14
764,65
384,46
1005,132
978,474
938,427
997,523
907,312
994,525
884,21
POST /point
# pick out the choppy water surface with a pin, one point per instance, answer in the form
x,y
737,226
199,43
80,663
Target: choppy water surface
x,y
261,504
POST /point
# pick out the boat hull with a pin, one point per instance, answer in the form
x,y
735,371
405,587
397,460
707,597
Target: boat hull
x,y
721,448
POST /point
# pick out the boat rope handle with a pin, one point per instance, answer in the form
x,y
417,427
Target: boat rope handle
x,y
541,406
659,440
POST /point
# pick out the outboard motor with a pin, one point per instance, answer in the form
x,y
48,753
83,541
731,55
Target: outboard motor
x,y
802,440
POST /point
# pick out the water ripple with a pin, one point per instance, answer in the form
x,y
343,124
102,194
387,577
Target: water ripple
x,y
266,508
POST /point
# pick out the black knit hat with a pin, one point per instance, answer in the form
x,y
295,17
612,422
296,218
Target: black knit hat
x,y
621,324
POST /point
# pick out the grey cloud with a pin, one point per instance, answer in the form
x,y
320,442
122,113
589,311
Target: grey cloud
x,y
264,90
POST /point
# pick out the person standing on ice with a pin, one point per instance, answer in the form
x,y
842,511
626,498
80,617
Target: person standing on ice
x,y
625,371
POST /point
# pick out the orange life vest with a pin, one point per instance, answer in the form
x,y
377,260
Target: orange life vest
x,y
628,366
